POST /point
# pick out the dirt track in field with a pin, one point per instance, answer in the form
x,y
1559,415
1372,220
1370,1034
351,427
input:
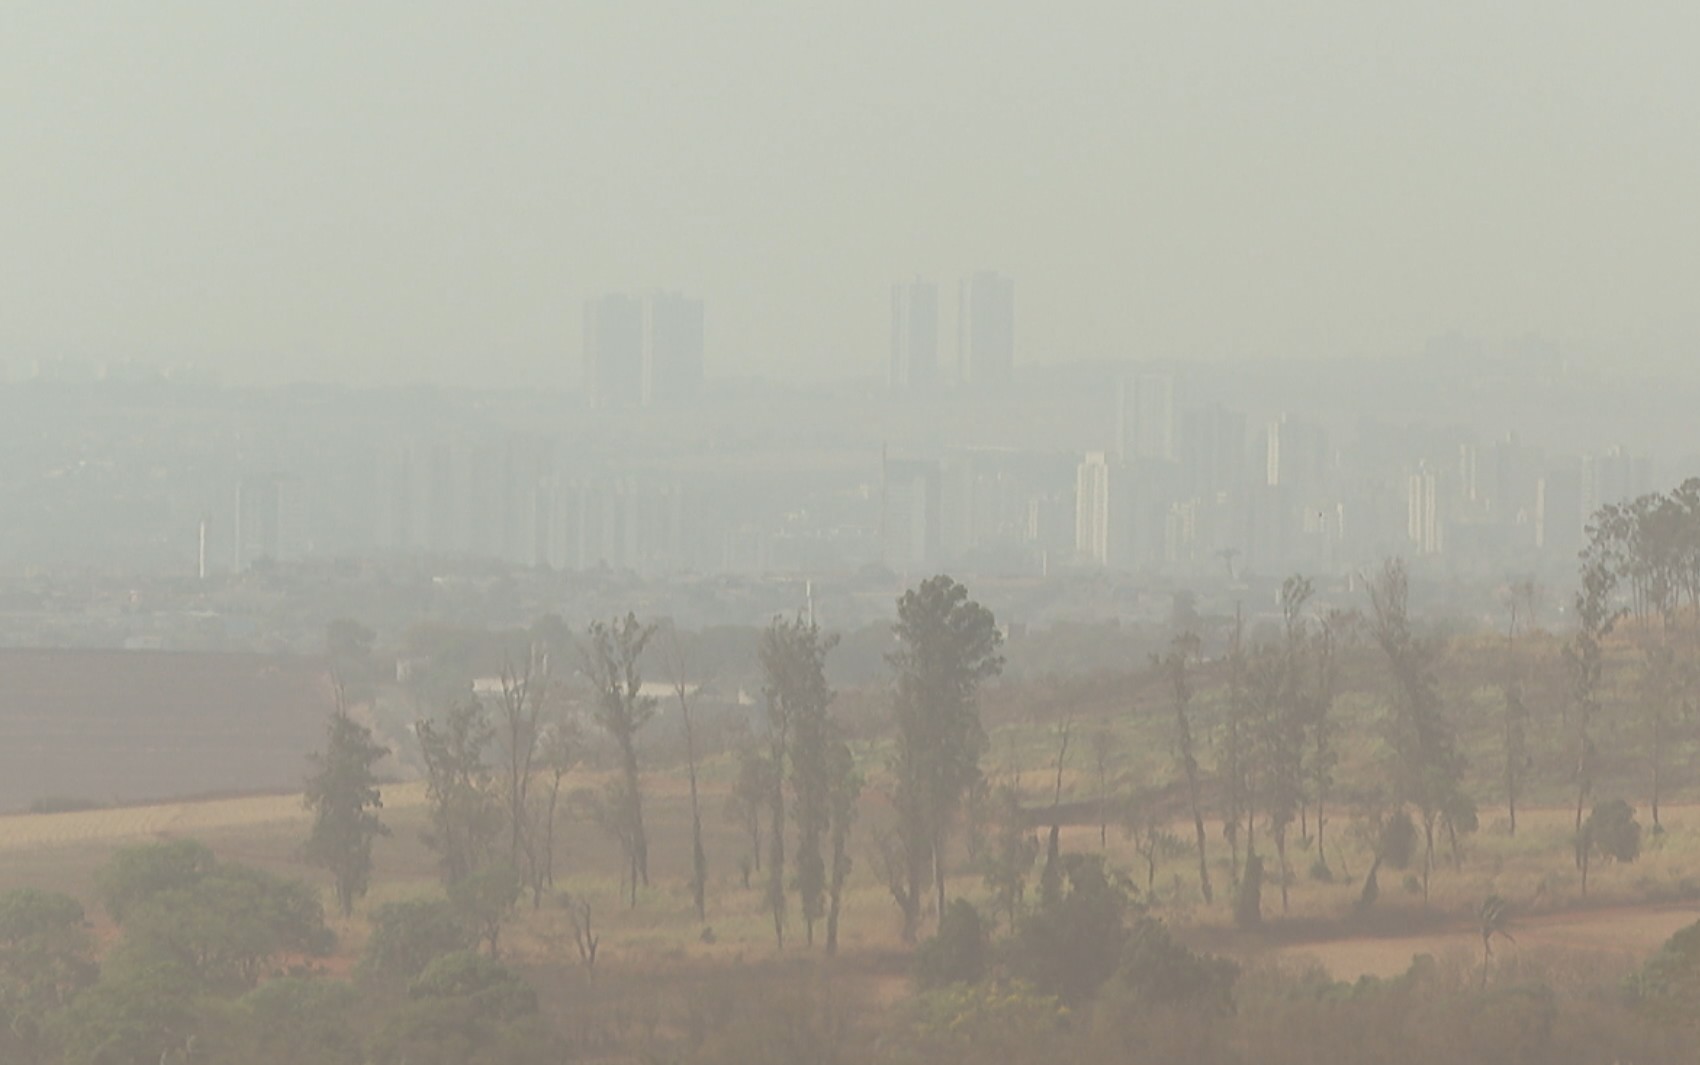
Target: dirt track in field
x,y
1626,933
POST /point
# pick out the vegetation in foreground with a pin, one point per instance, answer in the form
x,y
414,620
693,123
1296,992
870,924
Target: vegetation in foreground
x,y
1041,942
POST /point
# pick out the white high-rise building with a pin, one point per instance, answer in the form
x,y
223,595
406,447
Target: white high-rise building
x,y
1092,509
1423,512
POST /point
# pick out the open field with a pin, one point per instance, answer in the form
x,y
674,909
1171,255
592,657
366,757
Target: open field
x,y
1628,912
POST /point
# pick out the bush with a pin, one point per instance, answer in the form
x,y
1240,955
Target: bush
x,y
408,936
1612,831
957,954
1248,901
1074,942
1156,969
985,1024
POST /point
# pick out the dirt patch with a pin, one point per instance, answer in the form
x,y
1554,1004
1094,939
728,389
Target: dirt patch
x,y
1623,932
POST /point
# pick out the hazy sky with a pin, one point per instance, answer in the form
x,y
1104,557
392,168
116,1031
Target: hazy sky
x,y
428,191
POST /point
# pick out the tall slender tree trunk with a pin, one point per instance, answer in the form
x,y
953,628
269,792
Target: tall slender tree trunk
x,y
640,840
1658,742
1198,829
938,870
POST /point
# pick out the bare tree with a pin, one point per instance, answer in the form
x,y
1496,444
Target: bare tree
x,y
1050,881
526,696
1103,753
612,663
1520,599
1174,665
1428,765
585,936
679,670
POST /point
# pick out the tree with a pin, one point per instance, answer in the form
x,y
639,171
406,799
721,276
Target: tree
x,y
466,1009
137,873
1103,753
623,710
465,811
1612,833
1050,879
485,899
289,1021
1428,766
1072,944
793,661
1234,753
1157,970
748,800
1287,725
1519,604
957,953
349,646
1152,841
1174,664
844,787
1494,919
342,793
678,665
46,960
558,754
224,927
1337,630
947,647
522,716
410,934
1584,660
1014,849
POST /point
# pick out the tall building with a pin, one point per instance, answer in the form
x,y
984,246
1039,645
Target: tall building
x,y
1422,510
1212,451
613,351
910,515
1092,509
914,335
642,349
266,520
1145,417
985,328
672,347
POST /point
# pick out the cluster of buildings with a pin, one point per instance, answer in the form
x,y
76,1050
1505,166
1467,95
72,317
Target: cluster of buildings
x,y
1204,492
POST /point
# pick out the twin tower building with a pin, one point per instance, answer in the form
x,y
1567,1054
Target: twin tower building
x,y
646,349
985,332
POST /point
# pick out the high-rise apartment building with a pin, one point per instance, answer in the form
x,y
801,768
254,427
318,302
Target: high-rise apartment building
x,y
672,347
910,515
644,349
914,335
613,351
985,328
1145,417
267,522
1092,509
1422,511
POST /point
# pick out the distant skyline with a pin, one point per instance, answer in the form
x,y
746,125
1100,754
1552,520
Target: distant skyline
x,y
428,192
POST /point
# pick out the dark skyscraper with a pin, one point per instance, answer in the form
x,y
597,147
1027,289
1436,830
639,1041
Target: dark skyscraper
x,y
672,347
613,351
914,334
985,328
642,349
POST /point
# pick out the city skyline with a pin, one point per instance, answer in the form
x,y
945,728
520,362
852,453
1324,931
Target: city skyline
x,y
294,200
